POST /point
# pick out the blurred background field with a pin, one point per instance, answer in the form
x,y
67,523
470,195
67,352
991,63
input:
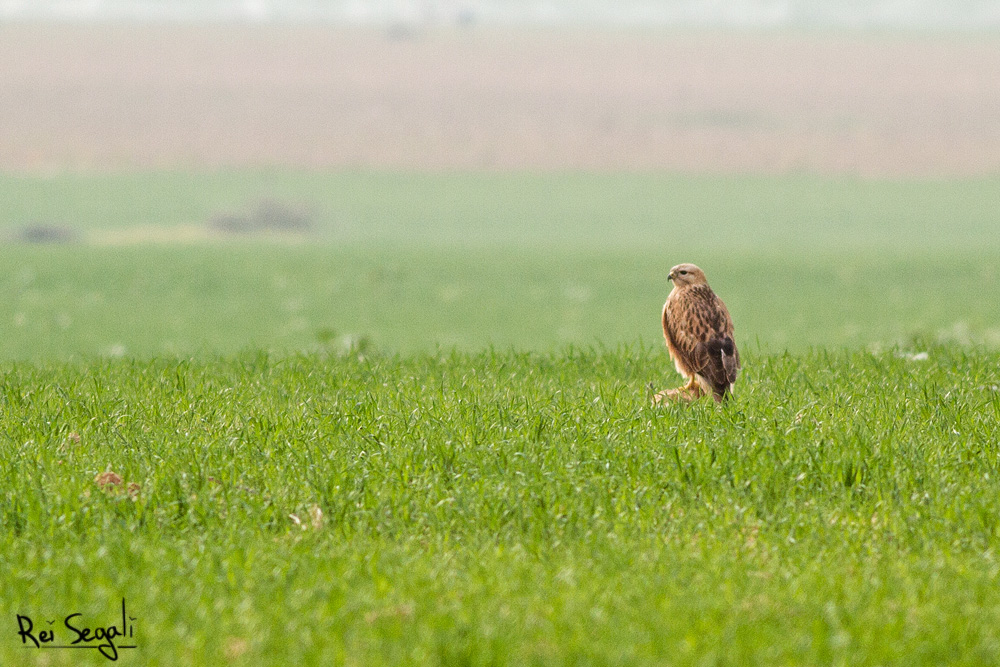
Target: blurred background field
x,y
119,96
175,188
180,263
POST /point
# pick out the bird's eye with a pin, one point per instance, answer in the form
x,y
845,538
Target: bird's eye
x,y
684,273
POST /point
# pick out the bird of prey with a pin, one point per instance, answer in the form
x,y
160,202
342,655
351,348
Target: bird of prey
x,y
699,335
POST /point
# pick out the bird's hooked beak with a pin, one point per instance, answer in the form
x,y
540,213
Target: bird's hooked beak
x,y
670,276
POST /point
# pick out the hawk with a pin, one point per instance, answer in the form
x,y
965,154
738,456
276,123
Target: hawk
x,y
699,335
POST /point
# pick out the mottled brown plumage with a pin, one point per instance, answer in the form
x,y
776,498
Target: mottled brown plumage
x,y
699,335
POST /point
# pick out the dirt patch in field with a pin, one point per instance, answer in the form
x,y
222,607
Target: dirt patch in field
x,y
116,97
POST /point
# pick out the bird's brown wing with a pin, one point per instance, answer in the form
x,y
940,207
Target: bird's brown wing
x,y
683,333
727,332
699,325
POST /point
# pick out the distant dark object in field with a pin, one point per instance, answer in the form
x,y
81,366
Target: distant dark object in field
x,y
42,233
355,345
347,345
269,216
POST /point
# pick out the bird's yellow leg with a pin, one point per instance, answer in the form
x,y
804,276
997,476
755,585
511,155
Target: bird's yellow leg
x,y
693,387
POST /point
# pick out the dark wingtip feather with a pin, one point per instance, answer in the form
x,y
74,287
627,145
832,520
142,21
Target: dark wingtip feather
x,y
728,347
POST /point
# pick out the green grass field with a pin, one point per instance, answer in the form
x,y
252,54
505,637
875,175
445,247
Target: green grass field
x,y
510,508
420,432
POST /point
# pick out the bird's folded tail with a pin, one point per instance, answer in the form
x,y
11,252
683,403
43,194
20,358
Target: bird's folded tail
x,y
724,349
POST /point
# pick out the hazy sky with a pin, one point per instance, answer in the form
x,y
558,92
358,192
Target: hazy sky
x,y
960,14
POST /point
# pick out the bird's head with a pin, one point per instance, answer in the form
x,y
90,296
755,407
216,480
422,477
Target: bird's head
x,y
687,274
